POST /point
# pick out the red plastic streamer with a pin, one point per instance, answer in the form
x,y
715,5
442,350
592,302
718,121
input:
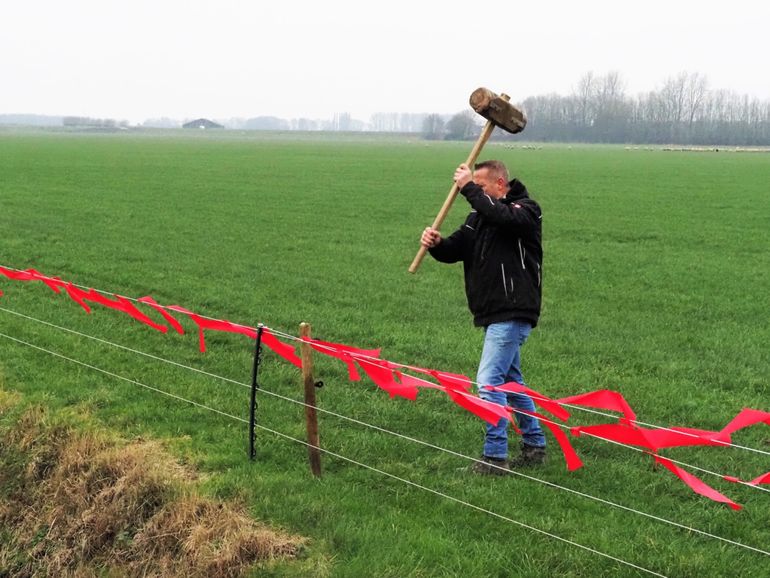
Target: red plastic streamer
x,y
124,305
489,411
280,348
763,479
747,417
570,456
697,485
602,399
454,381
387,376
162,310
407,379
17,275
551,406
616,432
379,372
344,353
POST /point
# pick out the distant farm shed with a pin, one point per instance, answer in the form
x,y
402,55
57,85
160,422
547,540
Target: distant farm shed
x,y
203,123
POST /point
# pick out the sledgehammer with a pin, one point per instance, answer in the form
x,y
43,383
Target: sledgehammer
x,y
498,112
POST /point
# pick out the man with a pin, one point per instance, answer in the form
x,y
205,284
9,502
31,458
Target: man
x,y
500,247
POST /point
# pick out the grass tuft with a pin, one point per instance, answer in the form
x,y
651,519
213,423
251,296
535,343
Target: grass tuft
x,y
78,501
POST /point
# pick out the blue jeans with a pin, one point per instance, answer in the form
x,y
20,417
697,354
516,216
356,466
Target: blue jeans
x,y
501,363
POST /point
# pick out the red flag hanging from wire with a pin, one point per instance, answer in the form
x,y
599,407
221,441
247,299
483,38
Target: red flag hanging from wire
x,y
696,484
387,376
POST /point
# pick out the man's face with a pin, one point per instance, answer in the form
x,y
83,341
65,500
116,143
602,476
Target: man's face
x,y
493,185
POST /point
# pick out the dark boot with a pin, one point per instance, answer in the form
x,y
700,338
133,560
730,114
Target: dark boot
x,y
529,456
490,466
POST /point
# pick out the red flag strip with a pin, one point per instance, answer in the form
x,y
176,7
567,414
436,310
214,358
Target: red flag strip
x,y
681,436
216,324
452,380
382,375
78,296
123,304
280,348
543,401
616,432
486,410
763,479
747,417
162,310
53,283
17,275
570,456
343,353
413,381
386,376
489,411
602,399
696,484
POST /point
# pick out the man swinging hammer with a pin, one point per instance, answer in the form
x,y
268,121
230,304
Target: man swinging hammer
x,y
501,250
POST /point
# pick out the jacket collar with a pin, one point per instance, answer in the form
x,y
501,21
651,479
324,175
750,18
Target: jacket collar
x,y
517,191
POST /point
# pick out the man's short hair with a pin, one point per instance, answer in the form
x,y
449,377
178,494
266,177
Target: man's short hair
x,y
496,168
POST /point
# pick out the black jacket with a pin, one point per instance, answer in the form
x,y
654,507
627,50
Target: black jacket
x,y
502,254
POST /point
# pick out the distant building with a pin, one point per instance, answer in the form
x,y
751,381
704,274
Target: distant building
x,y
201,123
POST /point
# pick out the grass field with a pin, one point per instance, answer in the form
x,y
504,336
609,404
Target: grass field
x,y
656,285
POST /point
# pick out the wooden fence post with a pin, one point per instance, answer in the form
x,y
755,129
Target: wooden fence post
x,y
311,416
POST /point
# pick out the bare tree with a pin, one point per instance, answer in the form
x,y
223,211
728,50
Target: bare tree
x,y
696,87
433,127
584,94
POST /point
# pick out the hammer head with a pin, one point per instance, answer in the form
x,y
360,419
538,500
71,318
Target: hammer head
x,y
496,109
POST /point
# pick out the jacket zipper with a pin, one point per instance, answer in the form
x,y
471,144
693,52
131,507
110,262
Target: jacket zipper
x,y
505,288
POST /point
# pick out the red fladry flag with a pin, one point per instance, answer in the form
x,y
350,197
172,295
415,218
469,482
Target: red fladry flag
x,y
215,324
280,348
17,275
602,399
379,372
53,283
697,485
78,296
162,310
454,381
747,417
123,304
490,412
681,436
616,432
413,381
570,456
763,479
543,401
345,353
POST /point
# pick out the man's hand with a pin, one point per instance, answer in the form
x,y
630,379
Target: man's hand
x,y
463,175
430,238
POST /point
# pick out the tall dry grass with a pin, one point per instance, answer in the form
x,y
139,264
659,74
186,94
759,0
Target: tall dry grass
x,y
76,502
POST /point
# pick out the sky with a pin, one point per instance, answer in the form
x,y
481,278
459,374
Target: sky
x,y
139,59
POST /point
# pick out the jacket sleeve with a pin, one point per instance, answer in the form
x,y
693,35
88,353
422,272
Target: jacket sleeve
x,y
523,212
450,249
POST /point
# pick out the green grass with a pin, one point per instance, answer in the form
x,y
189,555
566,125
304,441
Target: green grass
x,y
656,276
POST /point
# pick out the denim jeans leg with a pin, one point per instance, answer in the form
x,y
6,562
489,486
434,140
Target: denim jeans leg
x,y
500,363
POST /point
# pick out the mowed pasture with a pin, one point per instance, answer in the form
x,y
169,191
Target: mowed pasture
x,y
656,280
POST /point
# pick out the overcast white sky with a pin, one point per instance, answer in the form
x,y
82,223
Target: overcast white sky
x,y
136,59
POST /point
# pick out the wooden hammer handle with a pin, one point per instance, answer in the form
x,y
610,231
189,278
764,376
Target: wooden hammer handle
x,y
483,138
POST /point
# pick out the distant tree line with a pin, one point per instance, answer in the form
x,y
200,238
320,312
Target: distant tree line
x,y
682,111
88,122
